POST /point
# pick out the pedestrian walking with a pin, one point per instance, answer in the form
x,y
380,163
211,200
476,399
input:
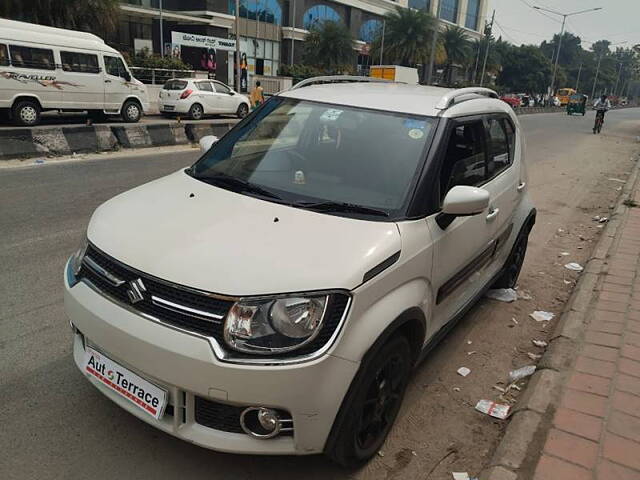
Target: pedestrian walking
x,y
257,96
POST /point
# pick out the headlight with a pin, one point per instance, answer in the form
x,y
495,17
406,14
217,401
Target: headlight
x,y
276,325
76,258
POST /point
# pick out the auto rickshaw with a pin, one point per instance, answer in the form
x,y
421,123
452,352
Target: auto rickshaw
x,y
577,104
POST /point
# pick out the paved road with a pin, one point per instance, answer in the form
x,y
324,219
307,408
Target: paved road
x,y
54,425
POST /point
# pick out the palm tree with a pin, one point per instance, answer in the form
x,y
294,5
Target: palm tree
x,y
407,37
457,47
329,46
99,16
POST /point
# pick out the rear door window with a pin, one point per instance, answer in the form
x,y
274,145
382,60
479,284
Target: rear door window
x,y
4,55
205,86
498,147
175,85
27,57
79,62
465,160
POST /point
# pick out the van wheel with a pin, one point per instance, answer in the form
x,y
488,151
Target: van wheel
x,y
131,111
513,266
243,110
196,111
26,113
372,404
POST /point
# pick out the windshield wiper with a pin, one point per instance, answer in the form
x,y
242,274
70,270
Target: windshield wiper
x,y
341,207
238,185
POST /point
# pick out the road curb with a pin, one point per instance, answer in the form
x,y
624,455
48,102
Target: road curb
x,y
523,436
24,143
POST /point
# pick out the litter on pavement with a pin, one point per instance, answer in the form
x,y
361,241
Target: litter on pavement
x,y
540,343
507,295
524,295
520,373
564,254
534,356
542,316
461,476
496,410
464,371
576,267
618,180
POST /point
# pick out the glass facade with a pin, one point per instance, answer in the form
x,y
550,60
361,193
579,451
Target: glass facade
x,y
268,11
369,30
263,56
473,12
449,10
420,4
318,14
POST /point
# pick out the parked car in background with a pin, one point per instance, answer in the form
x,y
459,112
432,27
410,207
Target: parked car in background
x,y
275,297
45,68
197,98
512,100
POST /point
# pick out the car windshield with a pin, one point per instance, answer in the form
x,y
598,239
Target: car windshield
x,y
314,155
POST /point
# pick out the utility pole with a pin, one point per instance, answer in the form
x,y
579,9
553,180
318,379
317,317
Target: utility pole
x,y
384,25
475,70
564,21
488,30
595,79
161,33
578,80
293,33
237,29
615,89
434,42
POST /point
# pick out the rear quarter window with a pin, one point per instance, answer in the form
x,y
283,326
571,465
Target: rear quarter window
x,y
175,85
4,55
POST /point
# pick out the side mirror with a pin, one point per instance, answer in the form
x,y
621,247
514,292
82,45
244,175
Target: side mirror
x,y
207,142
126,75
463,201
232,93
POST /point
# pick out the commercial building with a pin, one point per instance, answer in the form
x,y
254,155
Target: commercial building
x,y
271,31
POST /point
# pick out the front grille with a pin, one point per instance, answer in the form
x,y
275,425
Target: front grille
x,y
226,418
154,287
185,298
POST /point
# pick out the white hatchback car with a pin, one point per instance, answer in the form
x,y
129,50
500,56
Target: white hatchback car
x,y
274,297
197,98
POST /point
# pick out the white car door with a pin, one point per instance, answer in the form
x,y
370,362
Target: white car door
x,y
226,98
82,70
116,85
464,246
206,96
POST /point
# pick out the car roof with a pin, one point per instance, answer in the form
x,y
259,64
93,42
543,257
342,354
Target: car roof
x,y
387,96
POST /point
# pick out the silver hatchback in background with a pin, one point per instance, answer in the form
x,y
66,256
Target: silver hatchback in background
x,y
197,98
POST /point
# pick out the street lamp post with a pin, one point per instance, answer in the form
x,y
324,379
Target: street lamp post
x,y
564,21
578,80
161,33
237,29
434,41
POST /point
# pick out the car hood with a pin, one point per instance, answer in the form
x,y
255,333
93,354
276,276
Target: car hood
x,y
194,234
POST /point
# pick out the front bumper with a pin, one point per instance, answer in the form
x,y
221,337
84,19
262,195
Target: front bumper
x,y
187,367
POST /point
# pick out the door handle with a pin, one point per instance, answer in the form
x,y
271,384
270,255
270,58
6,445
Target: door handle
x,y
521,186
493,214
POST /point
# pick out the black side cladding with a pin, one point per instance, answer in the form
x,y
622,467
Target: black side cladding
x,y
381,267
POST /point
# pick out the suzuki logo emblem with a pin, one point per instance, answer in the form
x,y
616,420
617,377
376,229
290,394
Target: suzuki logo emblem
x,y
136,290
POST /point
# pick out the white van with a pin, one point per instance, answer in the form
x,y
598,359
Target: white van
x,y
45,68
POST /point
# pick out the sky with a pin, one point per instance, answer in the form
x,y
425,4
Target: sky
x,y
518,23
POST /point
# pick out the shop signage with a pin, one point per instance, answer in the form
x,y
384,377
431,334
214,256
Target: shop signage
x,y
202,41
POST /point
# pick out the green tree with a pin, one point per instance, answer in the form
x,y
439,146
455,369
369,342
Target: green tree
x,y
407,37
525,69
457,47
570,51
99,16
329,46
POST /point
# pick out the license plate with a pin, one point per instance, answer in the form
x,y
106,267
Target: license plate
x,y
169,107
142,393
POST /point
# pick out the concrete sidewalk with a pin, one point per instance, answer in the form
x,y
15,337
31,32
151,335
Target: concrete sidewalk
x,y
595,431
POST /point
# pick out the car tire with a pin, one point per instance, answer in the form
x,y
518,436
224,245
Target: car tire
x,y
513,265
243,110
26,113
372,404
196,112
131,111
